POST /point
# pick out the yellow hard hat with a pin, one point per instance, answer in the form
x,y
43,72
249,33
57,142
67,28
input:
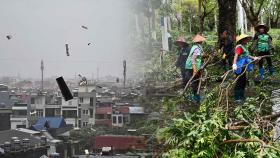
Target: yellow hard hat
x,y
242,36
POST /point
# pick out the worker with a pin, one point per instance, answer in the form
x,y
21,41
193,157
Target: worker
x,y
226,47
193,65
242,61
262,45
184,50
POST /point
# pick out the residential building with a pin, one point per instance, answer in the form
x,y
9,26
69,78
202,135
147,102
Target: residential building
x,y
19,116
69,110
5,110
87,105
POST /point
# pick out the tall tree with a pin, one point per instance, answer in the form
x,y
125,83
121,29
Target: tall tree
x,y
273,10
205,8
253,9
227,16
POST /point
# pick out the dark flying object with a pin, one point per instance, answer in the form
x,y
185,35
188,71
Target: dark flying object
x,y
84,27
67,49
89,44
9,37
67,95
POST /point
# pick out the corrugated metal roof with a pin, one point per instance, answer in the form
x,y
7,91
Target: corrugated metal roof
x,y
120,142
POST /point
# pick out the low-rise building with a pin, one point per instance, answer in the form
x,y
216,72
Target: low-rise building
x,y
87,104
5,110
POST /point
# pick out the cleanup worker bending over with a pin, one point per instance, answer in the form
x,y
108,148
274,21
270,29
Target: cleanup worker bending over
x,y
242,61
226,46
181,60
193,65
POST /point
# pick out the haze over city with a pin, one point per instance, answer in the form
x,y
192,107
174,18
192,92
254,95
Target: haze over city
x,y
40,29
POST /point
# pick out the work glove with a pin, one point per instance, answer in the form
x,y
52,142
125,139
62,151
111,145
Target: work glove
x,y
256,58
234,67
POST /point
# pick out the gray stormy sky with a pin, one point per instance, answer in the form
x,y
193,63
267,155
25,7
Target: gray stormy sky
x,y
40,29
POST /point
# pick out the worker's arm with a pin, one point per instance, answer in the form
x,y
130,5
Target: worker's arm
x,y
235,58
195,54
270,43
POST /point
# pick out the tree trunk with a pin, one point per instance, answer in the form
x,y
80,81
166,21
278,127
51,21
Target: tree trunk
x,y
227,16
201,24
201,19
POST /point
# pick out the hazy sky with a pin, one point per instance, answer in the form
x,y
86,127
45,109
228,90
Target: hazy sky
x,y
40,29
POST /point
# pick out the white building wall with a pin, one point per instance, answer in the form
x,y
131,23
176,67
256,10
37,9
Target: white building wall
x,y
18,121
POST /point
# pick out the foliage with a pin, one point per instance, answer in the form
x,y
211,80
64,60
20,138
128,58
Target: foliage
x,y
203,133
161,67
84,136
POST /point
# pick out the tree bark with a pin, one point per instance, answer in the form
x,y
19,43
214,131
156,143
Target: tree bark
x,y
201,24
227,16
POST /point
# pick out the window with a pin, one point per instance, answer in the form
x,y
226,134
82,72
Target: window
x,y
91,101
19,112
85,112
91,113
79,113
81,100
79,123
114,119
99,116
69,102
85,124
32,100
39,112
125,119
21,126
120,119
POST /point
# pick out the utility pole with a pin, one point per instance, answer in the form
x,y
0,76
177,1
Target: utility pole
x,y
124,73
42,71
97,74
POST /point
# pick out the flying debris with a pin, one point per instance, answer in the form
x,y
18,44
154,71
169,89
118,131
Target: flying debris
x,y
67,49
9,37
67,95
83,80
84,27
33,113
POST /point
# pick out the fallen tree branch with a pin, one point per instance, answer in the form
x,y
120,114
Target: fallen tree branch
x,y
267,117
263,144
